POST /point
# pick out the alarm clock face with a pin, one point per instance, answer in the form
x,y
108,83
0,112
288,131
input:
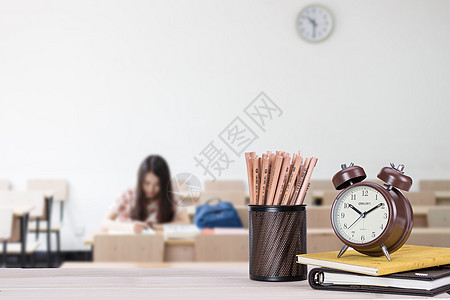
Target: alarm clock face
x,y
360,214
315,23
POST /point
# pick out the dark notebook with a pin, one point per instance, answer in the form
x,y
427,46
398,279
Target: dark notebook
x,y
422,282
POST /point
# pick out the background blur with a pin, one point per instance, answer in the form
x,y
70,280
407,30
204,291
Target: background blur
x,y
89,88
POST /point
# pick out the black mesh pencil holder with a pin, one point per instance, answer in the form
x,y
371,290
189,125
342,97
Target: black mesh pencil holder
x,y
277,233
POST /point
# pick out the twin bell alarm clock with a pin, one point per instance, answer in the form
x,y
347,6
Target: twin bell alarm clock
x,y
371,218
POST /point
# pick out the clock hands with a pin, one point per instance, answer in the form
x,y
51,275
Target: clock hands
x,y
373,208
314,24
312,21
363,215
355,209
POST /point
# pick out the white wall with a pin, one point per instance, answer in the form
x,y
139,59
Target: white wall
x,y
89,88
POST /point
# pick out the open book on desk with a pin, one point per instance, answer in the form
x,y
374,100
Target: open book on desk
x,y
225,231
180,231
119,232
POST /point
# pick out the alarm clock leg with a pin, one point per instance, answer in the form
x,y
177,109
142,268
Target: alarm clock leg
x,y
342,251
386,252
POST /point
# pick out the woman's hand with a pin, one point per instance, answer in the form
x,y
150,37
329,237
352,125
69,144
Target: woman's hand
x,y
158,227
138,226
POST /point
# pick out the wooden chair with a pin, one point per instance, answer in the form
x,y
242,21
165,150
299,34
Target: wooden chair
x,y
5,185
224,185
328,197
439,217
20,198
128,247
422,198
6,221
318,217
221,247
440,188
243,214
316,188
321,185
227,190
58,188
236,197
434,185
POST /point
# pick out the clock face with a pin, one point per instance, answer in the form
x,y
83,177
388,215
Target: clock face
x,y
360,214
315,23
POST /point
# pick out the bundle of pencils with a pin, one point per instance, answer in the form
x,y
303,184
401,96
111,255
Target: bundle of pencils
x,y
278,179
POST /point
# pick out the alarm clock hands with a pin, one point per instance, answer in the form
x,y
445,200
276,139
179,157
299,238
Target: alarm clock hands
x,y
364,214
361,216
372,209
355,209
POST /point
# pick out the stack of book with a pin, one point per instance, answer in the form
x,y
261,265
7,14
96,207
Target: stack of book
x,y
414,270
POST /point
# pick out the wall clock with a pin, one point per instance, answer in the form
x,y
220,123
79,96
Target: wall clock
x,y
373,219
315,23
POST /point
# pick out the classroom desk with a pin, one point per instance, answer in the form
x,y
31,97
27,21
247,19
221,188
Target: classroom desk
x,y
176,250
21,212
166,283
421,216
442,198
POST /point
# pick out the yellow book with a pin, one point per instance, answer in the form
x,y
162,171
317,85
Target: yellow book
x,y
407,258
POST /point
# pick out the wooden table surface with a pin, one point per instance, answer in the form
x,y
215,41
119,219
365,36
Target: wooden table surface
x,y
128,265
171,283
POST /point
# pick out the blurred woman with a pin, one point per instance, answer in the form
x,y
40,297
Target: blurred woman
x,y
150,203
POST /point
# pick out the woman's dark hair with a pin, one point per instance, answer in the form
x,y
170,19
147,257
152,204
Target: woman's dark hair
x,y
158,166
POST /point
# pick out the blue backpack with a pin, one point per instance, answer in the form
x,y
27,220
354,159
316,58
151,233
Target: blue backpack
x,y
222,214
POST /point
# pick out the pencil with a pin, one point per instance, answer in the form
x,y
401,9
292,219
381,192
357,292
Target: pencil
x,y
282,180
301,176
255,164
295,179
262,188
278,160
276,178
291,181
269,174
248,162
305,185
